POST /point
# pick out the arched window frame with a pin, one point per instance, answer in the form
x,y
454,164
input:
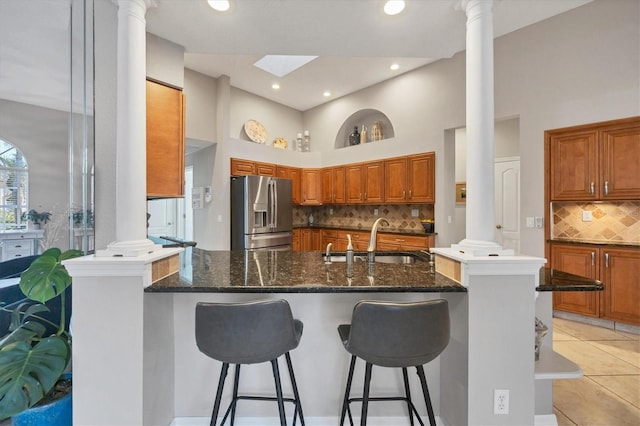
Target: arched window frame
x,y
14,187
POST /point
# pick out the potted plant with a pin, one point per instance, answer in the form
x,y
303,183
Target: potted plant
x,y
38,218
32,359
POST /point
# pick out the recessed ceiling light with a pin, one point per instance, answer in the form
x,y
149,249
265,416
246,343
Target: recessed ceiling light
x,y
393,7
326,94
394,67
275,86
220,5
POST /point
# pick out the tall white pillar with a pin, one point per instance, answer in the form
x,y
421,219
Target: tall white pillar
x,y
480,212
131,147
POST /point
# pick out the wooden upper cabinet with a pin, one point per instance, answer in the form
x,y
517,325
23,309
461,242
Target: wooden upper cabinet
x,y
421,178
311,187
395,178
595,162
265,169
620,159
619,270
165,141
292,173
241,167
364,182
573,167
333,185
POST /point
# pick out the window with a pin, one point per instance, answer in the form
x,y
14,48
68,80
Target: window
x,y
14,185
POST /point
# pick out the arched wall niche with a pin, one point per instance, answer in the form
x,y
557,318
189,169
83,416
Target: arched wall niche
x,y
366,118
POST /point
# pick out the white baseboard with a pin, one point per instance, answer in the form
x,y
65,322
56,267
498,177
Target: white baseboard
x,y
545,420
309,421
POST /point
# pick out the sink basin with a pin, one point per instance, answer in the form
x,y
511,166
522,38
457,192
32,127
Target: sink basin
x,y
400,258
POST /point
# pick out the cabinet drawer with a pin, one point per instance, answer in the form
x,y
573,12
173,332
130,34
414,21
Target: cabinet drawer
x,y
18,245
406,242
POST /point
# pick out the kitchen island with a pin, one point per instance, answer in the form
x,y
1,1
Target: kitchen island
x,y
163,378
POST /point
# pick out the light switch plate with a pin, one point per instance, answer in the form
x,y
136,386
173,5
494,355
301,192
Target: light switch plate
x,y
587,216
530,223
415,212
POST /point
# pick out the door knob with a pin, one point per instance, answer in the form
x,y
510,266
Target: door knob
x,y
498,226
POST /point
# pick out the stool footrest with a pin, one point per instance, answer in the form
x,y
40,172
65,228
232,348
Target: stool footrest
x,y
385,398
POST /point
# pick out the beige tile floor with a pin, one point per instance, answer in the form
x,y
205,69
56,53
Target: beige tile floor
x,y
609,392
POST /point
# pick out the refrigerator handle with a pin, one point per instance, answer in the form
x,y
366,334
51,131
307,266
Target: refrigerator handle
x,y
274,201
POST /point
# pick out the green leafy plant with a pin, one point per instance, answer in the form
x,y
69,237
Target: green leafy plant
x,y
38,218
30,362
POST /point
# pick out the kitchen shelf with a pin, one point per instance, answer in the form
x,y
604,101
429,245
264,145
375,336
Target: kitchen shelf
x,y
552,365
364,117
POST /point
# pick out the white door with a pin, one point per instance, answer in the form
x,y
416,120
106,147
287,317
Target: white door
x,y
507,203
162,221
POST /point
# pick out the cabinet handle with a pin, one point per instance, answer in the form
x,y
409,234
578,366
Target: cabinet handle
x,y
606,260
404,194
592,188
361,196
593,258
410,195
606,187
365,195
399,240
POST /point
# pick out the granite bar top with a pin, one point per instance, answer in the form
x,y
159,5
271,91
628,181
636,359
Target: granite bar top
x,y
205,271
382,230
555,280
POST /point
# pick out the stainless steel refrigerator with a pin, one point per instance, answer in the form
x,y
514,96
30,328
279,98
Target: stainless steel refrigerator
x,y
261,213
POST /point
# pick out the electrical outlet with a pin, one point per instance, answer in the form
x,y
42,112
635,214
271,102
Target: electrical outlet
x,y
587,216
375,212
539,221
501,401
415,212
530,222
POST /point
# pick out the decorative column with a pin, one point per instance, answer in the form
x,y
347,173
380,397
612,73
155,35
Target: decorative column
x,y
480,122
131,146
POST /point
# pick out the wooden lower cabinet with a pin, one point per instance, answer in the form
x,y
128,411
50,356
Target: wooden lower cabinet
x,y
621,275
310,239
394,242
617,268
295,239
579,260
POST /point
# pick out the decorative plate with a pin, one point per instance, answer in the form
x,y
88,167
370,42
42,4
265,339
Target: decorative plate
x,y
256,131
280,143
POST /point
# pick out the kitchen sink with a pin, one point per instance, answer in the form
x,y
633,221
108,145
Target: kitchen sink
x,y
399,258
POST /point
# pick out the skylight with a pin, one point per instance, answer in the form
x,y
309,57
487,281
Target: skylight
x,y
281,65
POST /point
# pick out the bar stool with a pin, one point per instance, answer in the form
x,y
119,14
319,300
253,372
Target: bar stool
x,y
390,334
249,333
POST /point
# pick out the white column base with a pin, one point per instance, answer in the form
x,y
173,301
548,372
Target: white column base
x,y
135,248
481,248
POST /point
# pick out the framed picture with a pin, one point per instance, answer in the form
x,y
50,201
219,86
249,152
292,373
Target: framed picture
x,y
461,192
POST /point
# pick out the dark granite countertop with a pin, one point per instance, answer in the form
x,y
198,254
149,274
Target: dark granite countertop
x,y
617,244
296,272
382,230
555,280
305,272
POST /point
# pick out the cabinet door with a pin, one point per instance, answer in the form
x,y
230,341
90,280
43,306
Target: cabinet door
x,y
165,141
295,240
373,182
265,169
339,182
579,260
621,276
573,165
292,173
353,184
305,239
421,178
311,187
620,156
241,167
316,239
395,180
327,186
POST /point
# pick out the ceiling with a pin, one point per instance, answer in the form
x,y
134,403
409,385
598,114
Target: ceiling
x,y
356,43
354,40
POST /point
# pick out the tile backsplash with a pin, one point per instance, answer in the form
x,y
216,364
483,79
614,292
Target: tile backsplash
x,y
362,216
611,222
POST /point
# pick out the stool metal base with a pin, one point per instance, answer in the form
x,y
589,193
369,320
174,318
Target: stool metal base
x,y
346,409
231,410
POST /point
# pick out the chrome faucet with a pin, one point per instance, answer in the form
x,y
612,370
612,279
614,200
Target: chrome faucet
x,y
371,250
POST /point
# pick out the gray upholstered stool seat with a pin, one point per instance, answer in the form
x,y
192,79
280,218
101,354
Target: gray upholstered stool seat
x,y
249,333
390,334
